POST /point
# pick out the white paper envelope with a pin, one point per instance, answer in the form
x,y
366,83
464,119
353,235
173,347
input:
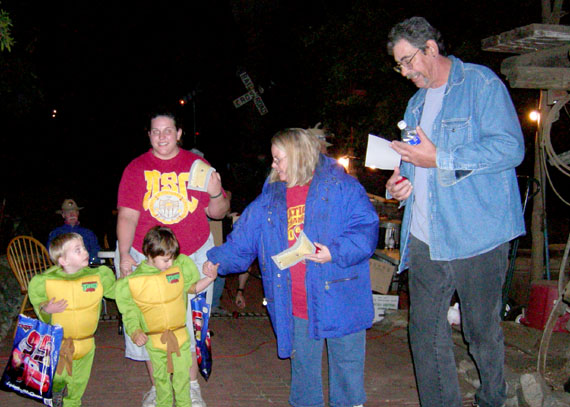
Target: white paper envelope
x,y
295,253
200,173
379,154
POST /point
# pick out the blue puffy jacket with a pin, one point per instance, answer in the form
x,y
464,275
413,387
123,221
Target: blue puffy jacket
x,y
339,215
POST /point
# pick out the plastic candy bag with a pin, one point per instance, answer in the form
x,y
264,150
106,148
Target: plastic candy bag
x,y
200,319
33,360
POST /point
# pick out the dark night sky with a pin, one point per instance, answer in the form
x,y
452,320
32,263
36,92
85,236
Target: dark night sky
x,y
105,64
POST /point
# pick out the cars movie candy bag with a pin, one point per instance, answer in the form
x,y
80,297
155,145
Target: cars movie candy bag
x,y
32,363
200,319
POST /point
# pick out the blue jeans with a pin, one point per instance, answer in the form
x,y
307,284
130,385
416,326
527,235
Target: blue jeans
x,y
478,281
346,368
219,284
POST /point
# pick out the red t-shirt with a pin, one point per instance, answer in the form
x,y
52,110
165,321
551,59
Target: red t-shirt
x,y
157,190
296,197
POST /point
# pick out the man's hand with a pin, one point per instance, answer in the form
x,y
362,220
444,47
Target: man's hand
x,y
240,300
53,306
399,187
421,155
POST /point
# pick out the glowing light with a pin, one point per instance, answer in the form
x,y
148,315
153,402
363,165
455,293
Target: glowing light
x,y
534,116
345,162
182,102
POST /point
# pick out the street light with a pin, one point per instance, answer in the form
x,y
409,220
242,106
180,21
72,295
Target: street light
x,y
534,116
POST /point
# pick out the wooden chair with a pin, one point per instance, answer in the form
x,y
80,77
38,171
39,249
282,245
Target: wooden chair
x,y
27,257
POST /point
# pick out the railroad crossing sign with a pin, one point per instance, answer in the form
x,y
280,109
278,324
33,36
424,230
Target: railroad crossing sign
x,y
252,94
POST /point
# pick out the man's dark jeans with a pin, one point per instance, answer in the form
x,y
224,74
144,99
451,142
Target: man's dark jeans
x,y
478,281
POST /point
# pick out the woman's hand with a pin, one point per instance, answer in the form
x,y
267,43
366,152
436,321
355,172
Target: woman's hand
x,y
215,184
322,255
398,186
210,269
127,264
219,204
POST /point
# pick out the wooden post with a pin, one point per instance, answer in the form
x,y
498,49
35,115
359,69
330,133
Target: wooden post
x,y
550,15
537,219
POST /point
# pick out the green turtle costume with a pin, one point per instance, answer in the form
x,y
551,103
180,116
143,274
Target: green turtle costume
x,y
83,292
155,302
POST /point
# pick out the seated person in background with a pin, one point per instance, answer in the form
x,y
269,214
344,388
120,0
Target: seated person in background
x,y
66,293
70,213
153,301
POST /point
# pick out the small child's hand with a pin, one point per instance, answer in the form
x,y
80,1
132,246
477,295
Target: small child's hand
x,y
53,306
210,269
139,338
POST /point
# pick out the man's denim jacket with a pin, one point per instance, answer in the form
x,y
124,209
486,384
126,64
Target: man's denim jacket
x,y
474,202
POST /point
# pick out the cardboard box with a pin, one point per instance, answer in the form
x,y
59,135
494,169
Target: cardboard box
x,y
382,303
381,273
217,232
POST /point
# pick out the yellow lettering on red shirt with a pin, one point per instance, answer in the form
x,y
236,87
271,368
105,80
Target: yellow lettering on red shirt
x,y
169,182
152,186
166,197
295,220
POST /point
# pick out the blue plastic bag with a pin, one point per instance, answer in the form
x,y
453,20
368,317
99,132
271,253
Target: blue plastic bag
x,y
33,360
200,319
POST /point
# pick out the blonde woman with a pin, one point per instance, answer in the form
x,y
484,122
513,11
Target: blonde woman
x,y
326,297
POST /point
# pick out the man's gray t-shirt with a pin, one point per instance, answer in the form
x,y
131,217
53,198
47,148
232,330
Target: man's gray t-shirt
x,y
420,219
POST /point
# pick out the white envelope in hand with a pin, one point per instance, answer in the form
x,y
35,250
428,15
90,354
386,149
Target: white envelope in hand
x,y
379,154
199,178
295,253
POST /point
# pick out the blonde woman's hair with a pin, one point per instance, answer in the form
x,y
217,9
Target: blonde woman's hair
x,y
302,151
58,244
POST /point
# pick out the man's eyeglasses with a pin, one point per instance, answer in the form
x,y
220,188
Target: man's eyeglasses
x,y
169,131
405,63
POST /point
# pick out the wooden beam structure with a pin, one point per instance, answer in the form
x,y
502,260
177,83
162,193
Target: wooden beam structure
x,y
546,69
530,38
543,63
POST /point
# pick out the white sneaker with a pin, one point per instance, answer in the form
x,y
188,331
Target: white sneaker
x,y
149,399
196,395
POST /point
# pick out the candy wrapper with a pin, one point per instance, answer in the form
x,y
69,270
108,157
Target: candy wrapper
x,y
200,319
32,363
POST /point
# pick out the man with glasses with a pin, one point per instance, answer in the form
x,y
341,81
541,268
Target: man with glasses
x,y
462,207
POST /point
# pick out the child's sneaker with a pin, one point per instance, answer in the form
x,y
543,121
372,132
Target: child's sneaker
x,y
149,399
196,395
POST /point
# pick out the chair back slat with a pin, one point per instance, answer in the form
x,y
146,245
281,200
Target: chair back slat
x,y
27,257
